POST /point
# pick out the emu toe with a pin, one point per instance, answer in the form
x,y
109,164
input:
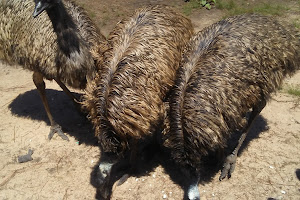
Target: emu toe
x,y
228,166
57,129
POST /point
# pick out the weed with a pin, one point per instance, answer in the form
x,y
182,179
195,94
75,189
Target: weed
x,y
195,4
294,91
290,89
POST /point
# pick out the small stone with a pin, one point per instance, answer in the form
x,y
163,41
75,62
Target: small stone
x,y
25,158
271,167
283,192
136,179
165,196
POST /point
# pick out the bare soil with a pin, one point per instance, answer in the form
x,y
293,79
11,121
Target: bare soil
x,y
267,168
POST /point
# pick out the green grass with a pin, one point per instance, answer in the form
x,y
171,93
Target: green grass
x,y
294,91
236,7
227,5
296,23
270,9
240,7
189,6
196,4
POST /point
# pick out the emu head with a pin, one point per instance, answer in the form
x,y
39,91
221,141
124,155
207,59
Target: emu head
x,y
41,5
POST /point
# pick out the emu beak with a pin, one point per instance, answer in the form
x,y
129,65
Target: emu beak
x,y
39,8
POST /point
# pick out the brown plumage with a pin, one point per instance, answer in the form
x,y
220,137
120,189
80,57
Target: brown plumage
x,y
228,71
139,68
125,99
55,46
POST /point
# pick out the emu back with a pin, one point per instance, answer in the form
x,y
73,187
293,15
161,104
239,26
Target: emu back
x,y
139,68
228,69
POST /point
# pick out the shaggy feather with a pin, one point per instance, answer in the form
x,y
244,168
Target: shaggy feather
x,y
34,44
125,99
228,69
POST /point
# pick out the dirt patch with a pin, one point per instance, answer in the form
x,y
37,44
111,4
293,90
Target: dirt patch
x,y
268,166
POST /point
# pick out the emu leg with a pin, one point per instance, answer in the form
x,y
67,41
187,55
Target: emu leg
x,y
67,91
132,162
40,85
230,160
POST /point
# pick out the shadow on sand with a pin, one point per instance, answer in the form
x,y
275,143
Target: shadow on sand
x,y
153,155
29,105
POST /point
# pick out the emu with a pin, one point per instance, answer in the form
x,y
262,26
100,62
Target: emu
x,y
225,78
125,99
55,47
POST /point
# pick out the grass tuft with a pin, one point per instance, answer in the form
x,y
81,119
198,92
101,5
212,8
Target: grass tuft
x,y
294,91
196,4
189,6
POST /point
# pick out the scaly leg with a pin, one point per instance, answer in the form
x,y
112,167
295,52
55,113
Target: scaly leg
x,y
132,162
230,160
40,85
67,91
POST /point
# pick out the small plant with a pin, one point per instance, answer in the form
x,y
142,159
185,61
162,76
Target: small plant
x,y
291,89
207,4
194,4
294,91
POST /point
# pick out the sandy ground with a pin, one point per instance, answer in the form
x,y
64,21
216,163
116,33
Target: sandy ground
x,y
267,168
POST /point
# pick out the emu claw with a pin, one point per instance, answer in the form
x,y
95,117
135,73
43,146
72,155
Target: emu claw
x,y
228,166
57,129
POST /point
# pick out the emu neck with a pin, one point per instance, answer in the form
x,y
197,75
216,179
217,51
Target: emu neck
x,y
65,29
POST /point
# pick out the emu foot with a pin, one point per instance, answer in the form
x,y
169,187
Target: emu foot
x,y
57,129
228,166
